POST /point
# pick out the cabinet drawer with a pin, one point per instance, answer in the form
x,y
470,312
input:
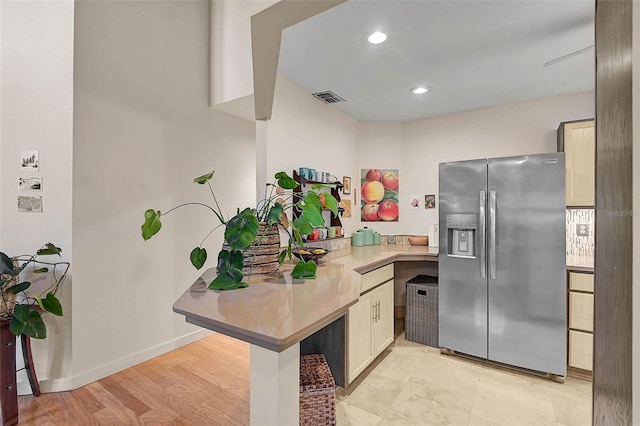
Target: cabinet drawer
x,y
376,277
581,311
580,350
580,282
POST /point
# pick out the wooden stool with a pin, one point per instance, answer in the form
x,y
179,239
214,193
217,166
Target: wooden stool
x,y
8,388
28,364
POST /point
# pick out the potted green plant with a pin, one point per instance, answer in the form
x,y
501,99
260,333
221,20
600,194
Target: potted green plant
x,y
24,312
242,231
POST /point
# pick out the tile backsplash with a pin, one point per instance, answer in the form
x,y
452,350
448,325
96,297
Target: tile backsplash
x,y
580,241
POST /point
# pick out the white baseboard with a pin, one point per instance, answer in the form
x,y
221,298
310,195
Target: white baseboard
x,y
82,379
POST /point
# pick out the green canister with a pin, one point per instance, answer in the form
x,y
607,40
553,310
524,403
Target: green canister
x,y
368,235
357,239
376,238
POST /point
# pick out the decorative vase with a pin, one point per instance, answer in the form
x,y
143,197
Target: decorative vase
x,y
263,255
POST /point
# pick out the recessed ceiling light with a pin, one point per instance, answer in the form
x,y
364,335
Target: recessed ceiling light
x,y
377,37
420,90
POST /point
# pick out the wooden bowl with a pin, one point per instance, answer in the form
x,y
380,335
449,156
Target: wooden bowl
x,y
419,240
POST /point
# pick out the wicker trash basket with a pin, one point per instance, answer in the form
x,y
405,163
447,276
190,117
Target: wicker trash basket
x,y
421,323
317,391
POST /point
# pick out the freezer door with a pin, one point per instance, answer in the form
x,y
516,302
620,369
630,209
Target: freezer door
x,y
462,288
526,255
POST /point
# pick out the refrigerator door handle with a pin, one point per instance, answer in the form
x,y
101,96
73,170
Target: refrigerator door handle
x,y
492,235
482,235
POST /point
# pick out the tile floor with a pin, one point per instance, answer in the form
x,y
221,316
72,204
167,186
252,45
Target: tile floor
x,y
416,385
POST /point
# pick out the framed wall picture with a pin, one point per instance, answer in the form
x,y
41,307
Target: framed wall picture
x,y
430,201
346,185
29,204
30,183
30,160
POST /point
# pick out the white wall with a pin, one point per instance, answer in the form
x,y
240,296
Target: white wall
x,y
36,55
306,132
142,132
514,129
231,63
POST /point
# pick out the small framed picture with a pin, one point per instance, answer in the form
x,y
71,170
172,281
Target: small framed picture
x,y
30,183
346,185
30,160
430,201
29,204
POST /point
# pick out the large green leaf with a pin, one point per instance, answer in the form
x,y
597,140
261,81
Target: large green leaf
x,y
34,327
6,266
313,216
311,200
204,178
224,282
152,224
16,326
230,265
52,304
285,182
49,249
331,203
242,229
21,312
275,213
198,257
304,270
20,287
302,225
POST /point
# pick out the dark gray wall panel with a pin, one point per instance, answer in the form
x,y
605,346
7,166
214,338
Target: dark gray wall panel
x,y
612,379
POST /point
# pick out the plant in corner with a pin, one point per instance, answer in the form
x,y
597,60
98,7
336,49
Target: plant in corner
x,y
24,312
242,231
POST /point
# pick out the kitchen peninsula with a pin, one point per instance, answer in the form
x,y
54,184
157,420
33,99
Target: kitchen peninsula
x,y
275,313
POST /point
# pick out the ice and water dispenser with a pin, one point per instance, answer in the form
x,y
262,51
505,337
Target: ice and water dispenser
x,y
461,234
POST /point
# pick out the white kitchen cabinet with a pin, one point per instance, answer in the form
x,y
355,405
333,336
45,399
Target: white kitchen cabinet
x,y
383,323
577,140
360,336
581,311
581,350
580,320
370,321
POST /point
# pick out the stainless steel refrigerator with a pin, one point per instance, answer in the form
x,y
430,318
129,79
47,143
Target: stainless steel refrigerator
x,y
502,292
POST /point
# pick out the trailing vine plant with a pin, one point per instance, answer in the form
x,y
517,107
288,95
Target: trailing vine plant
x,y
242,230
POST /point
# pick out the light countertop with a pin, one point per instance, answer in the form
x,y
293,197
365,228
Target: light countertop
x,y
277,311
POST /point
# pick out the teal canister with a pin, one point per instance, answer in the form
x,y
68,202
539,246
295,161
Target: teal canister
x,y
368,236
357,239
376,238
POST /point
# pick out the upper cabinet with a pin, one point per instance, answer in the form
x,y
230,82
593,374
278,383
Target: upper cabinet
x,y
577,140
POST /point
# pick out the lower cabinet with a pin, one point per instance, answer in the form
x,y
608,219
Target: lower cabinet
x,y
580,320
369,328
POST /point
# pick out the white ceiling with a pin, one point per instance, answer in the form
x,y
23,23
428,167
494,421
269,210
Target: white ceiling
x,y
473,54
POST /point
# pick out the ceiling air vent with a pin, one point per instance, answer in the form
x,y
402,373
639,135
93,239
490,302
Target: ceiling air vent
x,y
328,97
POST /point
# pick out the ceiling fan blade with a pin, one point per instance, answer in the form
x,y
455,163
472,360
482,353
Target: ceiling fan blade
x,y
567,56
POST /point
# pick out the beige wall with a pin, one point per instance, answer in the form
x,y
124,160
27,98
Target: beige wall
x,y
36,101
142,131
417,147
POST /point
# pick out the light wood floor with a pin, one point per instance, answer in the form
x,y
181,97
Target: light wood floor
x,y
204,383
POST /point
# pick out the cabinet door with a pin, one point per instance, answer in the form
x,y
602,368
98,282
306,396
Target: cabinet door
x,y
383,323
581,311
579,146
359,337
580,350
